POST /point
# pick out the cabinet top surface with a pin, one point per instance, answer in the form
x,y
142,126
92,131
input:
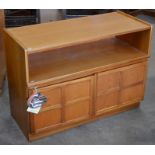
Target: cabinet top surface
x,y
69,32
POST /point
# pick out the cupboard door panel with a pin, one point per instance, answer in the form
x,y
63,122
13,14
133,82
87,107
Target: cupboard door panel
x,y
53,96
107,81
133,74
107,94
107,101
77,90
77,111
46,119
133,93
51,112
120,86
78,98
132,85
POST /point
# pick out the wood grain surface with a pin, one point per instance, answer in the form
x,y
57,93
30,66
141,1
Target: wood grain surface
x,y
82,58
74,31
87,68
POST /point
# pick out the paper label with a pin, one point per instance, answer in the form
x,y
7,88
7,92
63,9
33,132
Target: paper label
x,y
33,110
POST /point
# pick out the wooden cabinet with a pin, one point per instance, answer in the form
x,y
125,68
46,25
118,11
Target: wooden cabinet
x,y
86,72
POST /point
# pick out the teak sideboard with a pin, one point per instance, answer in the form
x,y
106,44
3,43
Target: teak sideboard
x,y
87,68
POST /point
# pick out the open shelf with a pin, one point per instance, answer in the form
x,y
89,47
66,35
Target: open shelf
x,y
81,58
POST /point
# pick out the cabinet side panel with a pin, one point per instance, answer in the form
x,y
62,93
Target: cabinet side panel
x,y
16,72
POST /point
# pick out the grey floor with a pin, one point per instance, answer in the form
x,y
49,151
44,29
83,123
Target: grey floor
x,y
133,127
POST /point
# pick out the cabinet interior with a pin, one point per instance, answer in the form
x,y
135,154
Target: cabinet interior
x,y
79,58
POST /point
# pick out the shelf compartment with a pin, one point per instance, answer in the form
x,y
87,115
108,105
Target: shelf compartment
x,y
75,59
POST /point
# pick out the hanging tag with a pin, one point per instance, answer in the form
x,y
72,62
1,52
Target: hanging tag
x,y
33,110
35,102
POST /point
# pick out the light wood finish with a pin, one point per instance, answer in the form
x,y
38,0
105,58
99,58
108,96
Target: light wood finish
x,y
133,83
139,40
87,68
108,86
109,112
78,100
16,72
120,86
64,105
2,54
73,31
107,52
